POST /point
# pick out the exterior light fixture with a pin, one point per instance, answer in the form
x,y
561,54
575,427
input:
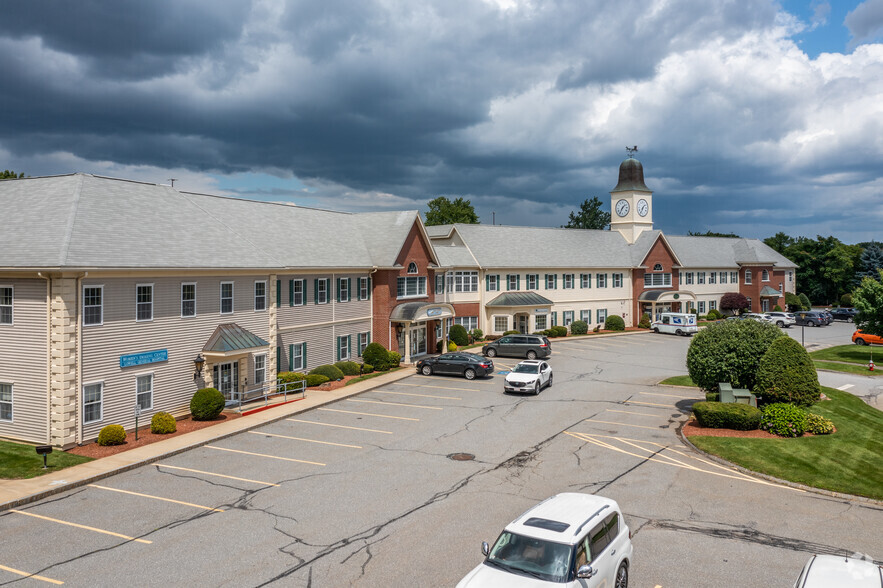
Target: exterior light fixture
x,y
198,362
399,328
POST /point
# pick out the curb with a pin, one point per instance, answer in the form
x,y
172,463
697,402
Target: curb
x,y
830,493
240,425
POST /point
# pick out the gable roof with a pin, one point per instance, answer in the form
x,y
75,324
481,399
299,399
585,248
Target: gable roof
x,y
698,252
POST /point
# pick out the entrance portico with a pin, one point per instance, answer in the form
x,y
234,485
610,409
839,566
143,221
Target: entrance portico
x,y
227,354
410,322
654,302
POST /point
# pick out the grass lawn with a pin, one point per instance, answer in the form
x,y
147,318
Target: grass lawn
x,y
852,353
847,368
850,460
678,381
18,460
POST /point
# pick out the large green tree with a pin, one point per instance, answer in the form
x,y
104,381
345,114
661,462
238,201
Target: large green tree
x,y
780,242
10,175
868,300
589,216
870,261
826,267
444,211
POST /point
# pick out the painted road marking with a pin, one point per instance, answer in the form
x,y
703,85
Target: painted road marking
x,y
670,461
631,412
383,416
650,403
417,395
163,465
623,424
340,426
846,387
394,404
671,395
307,440
155,497
34,576
102,531
264,455
438,387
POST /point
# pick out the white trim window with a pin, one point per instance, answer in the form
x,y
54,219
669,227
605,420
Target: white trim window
x,y
463,281
700,277
298,294
747,277
657,280
533,281
93,305
6,298
343,289
723,277
226,297
602,315
551,281
93,407
585,280
765,276
493,283
343,348
501,323
297,356
734,277
363,288
600,280
712,305
657,267
5,401
260,295
749,305
585,316
144,302
365,339
701,307
260,369
540,322
617,280
688,278
412,268
188,299
468,322
568,317
790,276
411,287
568,281
144,391
712,276
512,282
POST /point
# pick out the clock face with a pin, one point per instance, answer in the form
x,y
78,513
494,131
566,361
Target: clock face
x,y
622,208
643,207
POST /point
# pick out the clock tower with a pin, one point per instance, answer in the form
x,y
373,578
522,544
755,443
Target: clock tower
x,y
631,201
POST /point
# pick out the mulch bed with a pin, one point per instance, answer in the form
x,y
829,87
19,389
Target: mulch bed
x,y
692,428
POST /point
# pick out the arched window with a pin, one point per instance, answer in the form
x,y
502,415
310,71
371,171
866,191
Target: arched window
x,y
412,268
765,276
657,267
747,276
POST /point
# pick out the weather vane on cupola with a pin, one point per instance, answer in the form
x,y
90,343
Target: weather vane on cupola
x,y
631,150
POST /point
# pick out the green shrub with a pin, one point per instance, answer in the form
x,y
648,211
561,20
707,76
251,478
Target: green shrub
x,y
329,371
614,322
550,333
777,308
349,368
112,435
712,396
458,335
804,301
786,373
477,334
314,380
560,331
729,351
645,321
206,404
163,423
377,355
439,346
579,327
818,425
713,315
395,358
512,333
367,368
727,415
784,420
846,300
289,377
452,347
596,329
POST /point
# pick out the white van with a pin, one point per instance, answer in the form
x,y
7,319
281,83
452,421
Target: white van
x,y
677,323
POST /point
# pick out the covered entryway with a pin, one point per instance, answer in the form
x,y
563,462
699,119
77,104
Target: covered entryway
x,y
524,312
768,298
410,319
227,355
655,302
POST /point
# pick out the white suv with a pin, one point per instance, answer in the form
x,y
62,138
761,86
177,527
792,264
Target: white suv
x,y
531,375
782,319
572,540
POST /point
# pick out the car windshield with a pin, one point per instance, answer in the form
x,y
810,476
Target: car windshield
x,y
526,369
531,557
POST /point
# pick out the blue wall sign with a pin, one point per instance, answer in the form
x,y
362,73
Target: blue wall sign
x,y
434,311
143,358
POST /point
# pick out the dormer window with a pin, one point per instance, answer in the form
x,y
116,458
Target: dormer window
x,y
657,267
412,268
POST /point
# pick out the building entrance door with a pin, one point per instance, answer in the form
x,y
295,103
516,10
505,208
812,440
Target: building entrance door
x,y
226,376
418,340
522,322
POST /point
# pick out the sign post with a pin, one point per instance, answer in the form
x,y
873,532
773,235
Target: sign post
x,y
137,414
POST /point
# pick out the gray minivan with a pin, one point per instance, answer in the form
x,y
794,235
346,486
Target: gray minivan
x,y
810,318
529,346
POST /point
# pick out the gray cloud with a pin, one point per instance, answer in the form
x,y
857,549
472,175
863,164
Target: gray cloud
x,y
865,22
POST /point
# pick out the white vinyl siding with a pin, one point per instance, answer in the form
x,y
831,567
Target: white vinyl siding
x,y
6,304
260,295
93,305
144,391
188,299
226,297
92,402
144,302
5,401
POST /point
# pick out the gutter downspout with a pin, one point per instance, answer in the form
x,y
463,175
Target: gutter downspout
x,y
48,356
79,392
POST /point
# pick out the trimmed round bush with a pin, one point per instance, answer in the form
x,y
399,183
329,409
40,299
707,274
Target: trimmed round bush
x,y
458,335
377,355
288,377
729,351
112,435
727,415
395,358
712,397
440,346
511,333
163,423
367,368
477,334
206,404
614,322
786,374
560,331
713,315
818,425
329,371
579,327
314,380
784,420
644,323
550,333
804,301
349,368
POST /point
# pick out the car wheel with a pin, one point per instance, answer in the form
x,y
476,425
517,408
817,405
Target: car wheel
x,y
860,341
849,319
426,371
622,576
469,374
536,388
491,352
531,354
780,324
656,330
679,332
549,383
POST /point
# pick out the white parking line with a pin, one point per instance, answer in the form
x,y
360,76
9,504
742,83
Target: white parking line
x,y
340,426
631,412
438,387
671,395
417,395
846,387
34,576
622,424
163,465
264,455
307,440
155,497
394,404
382,416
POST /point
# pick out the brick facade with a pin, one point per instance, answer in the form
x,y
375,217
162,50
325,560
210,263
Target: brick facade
x,y
662,255
753,289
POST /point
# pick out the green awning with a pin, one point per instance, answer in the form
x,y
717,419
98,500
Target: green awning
x,y
767,291
230,337
519,299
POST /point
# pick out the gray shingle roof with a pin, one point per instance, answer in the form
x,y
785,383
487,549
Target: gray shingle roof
x,y
453,256
702,252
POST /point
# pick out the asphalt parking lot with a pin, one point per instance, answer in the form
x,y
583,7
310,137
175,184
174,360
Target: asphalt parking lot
x,y
365,491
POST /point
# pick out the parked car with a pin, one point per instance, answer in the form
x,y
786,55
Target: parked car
x,y
467,365
782,319
810,318
570,540
844,314
759,317
829,318
860,338
677,323
826,571
529,346
531,375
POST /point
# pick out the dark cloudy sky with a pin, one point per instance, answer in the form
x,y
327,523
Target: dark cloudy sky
x,y
751,116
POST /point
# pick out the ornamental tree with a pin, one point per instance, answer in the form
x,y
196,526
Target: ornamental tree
x,y
733,301
868,300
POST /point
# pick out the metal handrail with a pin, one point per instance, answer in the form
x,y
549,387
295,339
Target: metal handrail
x,y
267,390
